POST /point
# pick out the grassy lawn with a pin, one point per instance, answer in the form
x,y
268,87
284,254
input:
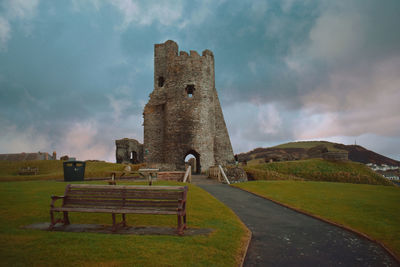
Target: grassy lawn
x,y
53,169
370,209
316,170
23,203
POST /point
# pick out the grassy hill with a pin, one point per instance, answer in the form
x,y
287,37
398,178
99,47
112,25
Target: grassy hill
x,y
309,144
53,169
313,149
316,170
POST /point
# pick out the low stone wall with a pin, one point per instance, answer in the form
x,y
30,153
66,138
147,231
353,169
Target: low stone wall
x,y
161,166
235,174
27,156
171,176
336,155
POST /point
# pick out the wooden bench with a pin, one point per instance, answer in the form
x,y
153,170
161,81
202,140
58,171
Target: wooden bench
x,y
121,199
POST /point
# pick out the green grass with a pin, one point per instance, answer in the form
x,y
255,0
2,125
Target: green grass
x,y
53,169
308,145
259,158
370,209
316,170
24,203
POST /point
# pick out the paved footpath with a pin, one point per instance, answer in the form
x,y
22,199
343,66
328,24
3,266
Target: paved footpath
x,y
283,237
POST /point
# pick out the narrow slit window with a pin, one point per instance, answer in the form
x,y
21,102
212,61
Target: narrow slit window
x,y
190,90
161,81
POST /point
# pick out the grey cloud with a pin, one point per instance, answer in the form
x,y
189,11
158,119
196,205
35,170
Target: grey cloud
x,y
285,70
354,51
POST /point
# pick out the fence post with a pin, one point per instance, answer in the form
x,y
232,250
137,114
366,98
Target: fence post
x,y
187,174
223,174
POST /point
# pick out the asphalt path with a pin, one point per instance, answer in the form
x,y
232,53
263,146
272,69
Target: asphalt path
x,y
283,237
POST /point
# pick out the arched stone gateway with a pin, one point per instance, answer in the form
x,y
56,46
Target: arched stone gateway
x,y
196,164
134,157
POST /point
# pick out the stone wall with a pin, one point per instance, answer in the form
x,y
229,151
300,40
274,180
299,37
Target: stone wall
x,y
235,174
28,156
129,151
336,155
183,115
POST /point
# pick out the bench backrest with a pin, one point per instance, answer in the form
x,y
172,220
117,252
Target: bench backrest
x,y
128,197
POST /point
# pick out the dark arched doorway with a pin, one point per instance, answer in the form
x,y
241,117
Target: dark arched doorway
x,y
193,158
133,157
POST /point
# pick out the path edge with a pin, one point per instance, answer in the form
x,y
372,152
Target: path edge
x,y
391,253
244,249
244,241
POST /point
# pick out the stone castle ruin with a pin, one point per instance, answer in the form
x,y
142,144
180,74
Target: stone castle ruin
x,y
183,116
129,151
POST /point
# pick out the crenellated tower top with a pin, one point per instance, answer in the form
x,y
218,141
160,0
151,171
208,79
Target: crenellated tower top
x,y
169,61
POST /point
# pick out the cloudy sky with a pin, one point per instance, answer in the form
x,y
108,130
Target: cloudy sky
x,y
75,75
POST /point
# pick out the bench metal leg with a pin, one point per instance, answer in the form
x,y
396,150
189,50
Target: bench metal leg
x,y
115,224
66,218
114,228
52,223
184,221
180,226
123,220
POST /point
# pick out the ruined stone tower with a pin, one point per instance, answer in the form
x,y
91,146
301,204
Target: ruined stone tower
x,y
183,115
128,151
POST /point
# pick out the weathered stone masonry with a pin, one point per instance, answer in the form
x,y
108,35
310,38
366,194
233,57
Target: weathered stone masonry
x,y
183,115
128,151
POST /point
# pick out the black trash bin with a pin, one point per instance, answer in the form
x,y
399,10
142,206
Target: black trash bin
x,y
74,170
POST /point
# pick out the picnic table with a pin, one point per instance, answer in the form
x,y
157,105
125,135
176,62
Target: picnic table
x,y
28,171
150,174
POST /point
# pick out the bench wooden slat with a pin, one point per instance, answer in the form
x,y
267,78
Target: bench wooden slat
x,y
117,211
117,190
132,196
126,196
84,202
138,187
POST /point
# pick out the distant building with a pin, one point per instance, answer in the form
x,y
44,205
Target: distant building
x,y
385,170
383,167
28,156
391,177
